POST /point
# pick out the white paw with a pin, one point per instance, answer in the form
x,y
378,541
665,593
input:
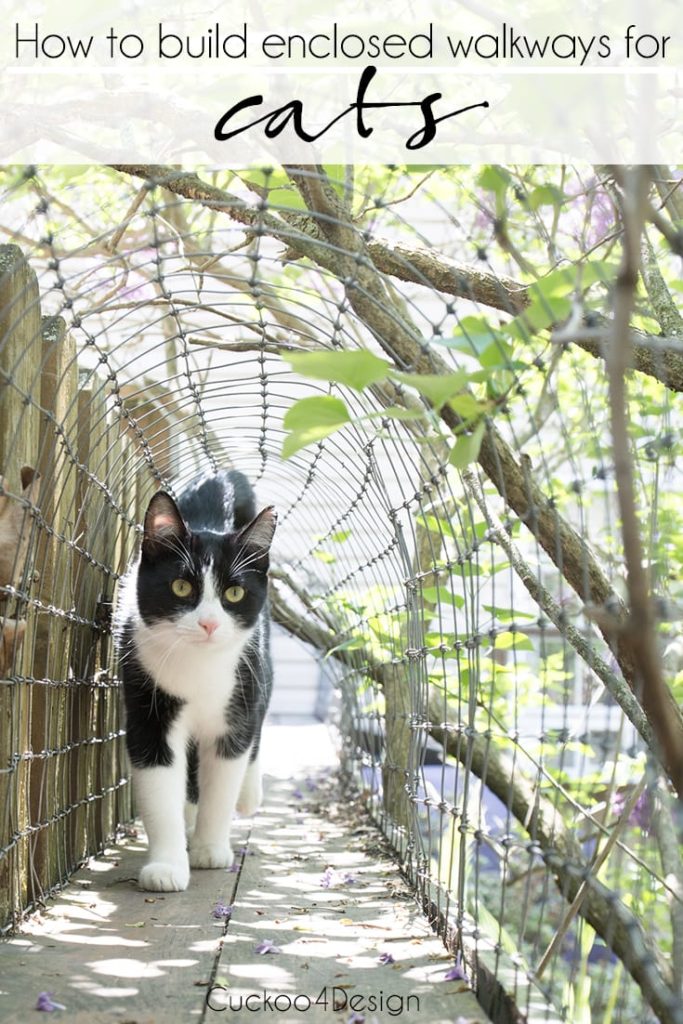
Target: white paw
x,y
160,877
251,796
211,855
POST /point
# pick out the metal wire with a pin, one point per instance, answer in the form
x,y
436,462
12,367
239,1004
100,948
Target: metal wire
x,y
482,740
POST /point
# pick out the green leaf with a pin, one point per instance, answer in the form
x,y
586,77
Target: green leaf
x,y
473,336
437,387
493,178
354,643
265,177
336,173
507,614
499,354
551,296
467,406
325,556
508,639
466,448
435,524
312,419
397,412
356,369
341,536
282,194
544,195
440,595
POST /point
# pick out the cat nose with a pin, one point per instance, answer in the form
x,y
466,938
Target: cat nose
x,y
208,625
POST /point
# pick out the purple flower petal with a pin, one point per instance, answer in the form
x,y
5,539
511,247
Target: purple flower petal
x,y
311,785
298,794
234,868
46,1003
356,1018
267,946
386,958
349,878
222,911
456,973
326,880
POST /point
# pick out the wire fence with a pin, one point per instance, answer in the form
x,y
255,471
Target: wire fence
x,y
450,545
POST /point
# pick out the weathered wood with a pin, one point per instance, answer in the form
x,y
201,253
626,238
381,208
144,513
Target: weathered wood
x,y
333,908
396,763
104,947
91,580
20,356
49,626
154,424
104,943
120,475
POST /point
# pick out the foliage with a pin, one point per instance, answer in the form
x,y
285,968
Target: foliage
x,y
515,361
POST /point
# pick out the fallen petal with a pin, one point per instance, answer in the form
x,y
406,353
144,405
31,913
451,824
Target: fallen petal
x,y
47,1004
222,911
267,946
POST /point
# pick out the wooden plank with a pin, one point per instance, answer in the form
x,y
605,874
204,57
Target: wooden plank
x,y
324,892
158,428
121,475
91,581
20,360
110,952
50,628
105,948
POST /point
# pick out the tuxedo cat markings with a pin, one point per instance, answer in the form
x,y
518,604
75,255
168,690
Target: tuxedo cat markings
x,y
193,632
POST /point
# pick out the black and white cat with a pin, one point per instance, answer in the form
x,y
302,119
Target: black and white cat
x,y
193,633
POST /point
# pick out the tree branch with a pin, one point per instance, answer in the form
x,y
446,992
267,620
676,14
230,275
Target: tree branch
x,y
299,233
622,694
340,249
648,681
611,919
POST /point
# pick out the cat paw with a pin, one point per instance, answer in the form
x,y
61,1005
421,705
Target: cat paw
x,y
160,877
211,855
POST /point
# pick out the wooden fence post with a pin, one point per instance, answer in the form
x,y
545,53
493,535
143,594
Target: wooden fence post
x,y
91,583
20,357
52,632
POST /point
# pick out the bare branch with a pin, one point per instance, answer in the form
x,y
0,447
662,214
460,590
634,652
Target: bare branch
x,y
611,919
299,233
339,248
649,678
663,306
622,694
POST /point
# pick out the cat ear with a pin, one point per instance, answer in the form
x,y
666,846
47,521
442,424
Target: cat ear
x,y
259,532
164,525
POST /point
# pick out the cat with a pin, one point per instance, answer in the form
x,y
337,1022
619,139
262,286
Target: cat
x,y
193,634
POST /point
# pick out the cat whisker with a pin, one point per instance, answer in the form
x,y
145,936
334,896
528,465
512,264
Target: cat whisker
x,y
238,567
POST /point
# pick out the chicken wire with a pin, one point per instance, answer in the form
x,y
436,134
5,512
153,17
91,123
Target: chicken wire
x,y
478,713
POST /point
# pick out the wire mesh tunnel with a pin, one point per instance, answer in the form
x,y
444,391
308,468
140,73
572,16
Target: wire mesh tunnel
x,y
449,542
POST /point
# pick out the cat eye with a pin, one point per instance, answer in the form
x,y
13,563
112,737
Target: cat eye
x,y
234,594
182,588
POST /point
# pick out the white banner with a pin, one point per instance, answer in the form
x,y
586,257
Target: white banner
x,y
437,83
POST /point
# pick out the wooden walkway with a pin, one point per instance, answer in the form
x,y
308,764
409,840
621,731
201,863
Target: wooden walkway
x,y
347,942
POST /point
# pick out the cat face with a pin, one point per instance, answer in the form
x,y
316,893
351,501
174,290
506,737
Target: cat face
x,y
202,588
